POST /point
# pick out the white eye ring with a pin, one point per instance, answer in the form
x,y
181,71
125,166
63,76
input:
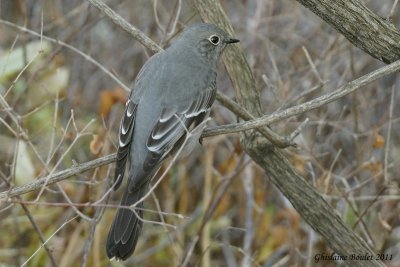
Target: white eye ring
x,y
214,39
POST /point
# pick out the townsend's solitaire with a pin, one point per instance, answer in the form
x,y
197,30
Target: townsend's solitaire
x,y
173,92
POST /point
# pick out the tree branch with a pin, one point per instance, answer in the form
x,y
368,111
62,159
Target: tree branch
x,y
307,106
57,177
121,22
277,140
375,35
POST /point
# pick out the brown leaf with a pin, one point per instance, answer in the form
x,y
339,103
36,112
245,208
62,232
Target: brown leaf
x,y
110,97
375,167
96,145
379,141
299,164
69,136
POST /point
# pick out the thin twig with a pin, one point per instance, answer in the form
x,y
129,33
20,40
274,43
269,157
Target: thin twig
x,y
36,228
248,186
39,233
313,67
189,251
157,20
387,146
96,217
207,189
53,130
219,192
391,13
298,130
59,228
89,204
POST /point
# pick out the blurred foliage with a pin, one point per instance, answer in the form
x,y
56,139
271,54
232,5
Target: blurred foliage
x,y
63,109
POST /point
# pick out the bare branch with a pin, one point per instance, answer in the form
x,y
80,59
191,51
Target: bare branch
x,y
364,29
58,229
387,146
40,234
391,13
120,21
277,140
57,177
310,105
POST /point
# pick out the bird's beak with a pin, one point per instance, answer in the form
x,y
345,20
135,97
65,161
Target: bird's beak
x,y
231,40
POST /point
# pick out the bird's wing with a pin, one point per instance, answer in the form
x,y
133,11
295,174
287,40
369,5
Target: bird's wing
x,y
128,120
124,141
171,129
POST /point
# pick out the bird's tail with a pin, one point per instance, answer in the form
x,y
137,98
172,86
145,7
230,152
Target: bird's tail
x,y
126,227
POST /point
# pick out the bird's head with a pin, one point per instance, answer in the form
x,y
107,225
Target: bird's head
x,y
206,41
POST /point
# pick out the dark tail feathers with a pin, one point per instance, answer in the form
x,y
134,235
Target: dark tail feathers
x,y
126,227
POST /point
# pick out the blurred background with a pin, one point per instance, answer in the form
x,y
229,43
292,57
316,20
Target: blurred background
x,y
58,108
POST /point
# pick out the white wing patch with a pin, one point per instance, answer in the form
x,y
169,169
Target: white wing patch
x,y
124,140
173,125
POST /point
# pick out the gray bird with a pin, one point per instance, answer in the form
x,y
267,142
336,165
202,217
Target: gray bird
x,y
173,92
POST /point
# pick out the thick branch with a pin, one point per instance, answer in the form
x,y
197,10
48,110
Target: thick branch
x,y
306,200
364,29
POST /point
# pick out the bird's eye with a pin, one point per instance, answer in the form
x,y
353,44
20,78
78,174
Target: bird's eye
x,y
214,39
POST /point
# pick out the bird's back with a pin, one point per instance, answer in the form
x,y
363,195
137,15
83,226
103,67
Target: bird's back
x,y
171,81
